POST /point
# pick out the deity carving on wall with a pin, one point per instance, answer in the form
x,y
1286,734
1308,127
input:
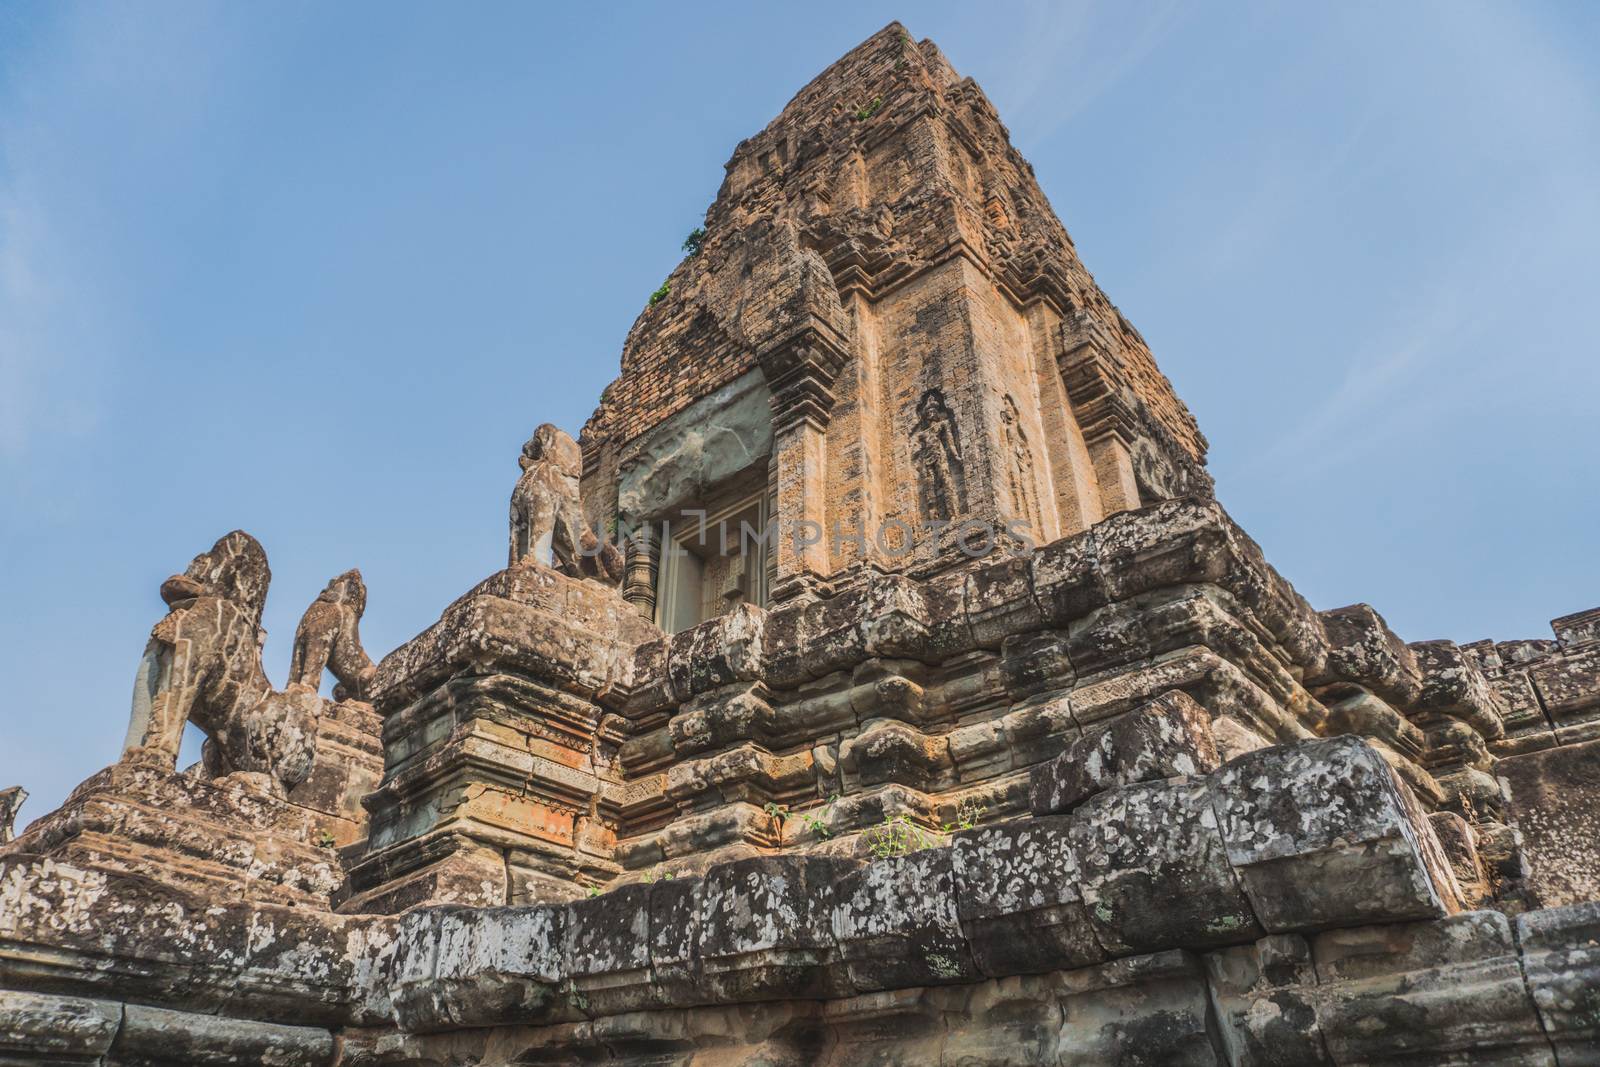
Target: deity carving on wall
x,y
936,444
1020,471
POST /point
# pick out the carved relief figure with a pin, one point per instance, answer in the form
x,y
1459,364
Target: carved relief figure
x,y
1019,466
203,665
547,521
936,448
329,636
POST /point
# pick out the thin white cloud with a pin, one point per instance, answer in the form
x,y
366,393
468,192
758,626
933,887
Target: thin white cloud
x,y
1486,283
1067,54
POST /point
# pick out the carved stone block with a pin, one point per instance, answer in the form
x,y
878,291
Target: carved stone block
x,y
1018,897
1168,737
1427,992
41,1027
896,924
764,928
492,966
1322,834
606,951
1155,870
1454,687
1362,649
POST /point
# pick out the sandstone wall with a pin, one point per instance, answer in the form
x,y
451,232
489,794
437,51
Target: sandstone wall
x,y
894,180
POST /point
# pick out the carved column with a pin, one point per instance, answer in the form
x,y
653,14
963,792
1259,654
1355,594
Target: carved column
x,y
1101,399
801,370
644,559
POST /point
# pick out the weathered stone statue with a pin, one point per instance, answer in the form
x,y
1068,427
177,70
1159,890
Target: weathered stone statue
x,y
547,521
203,665
329,636
10,802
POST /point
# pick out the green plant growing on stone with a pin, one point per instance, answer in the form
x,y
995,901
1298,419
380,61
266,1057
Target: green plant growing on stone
x,y
968,812
817,822
897,835
696,239
594,891
661,293
576,997
778,814
865,113
656,874
325,840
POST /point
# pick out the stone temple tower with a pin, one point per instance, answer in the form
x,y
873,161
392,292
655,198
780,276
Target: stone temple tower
x,y
885,335
936,712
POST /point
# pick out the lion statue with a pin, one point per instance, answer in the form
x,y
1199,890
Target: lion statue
x,y
203,665
329,637
547,524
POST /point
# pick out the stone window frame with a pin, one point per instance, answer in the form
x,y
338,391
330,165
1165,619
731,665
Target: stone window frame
x,y
671,570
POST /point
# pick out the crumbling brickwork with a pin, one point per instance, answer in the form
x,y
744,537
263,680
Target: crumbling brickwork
x,y
886,205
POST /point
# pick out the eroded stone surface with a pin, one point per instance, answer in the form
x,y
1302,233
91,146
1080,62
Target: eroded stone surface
x,y
1170,737
1423,992
1019,899
1554,796
1155,870
765,927
896,925
559,834
11,801
1561,958
1322,834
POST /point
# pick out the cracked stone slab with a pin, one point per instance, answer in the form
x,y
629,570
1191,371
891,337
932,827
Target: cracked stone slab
x,y
1018,898
1323,834
1265,995
1166,738
896,923
155,1037
1150,1010
1561,957
1155,870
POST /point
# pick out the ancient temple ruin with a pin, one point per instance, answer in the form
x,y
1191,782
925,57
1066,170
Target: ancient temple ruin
x,y
877,680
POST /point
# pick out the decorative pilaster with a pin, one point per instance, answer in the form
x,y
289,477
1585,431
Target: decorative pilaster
x,y
644,561
801,370
1096,384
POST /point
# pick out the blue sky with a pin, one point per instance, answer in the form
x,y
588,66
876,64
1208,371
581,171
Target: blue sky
x,y
316,271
